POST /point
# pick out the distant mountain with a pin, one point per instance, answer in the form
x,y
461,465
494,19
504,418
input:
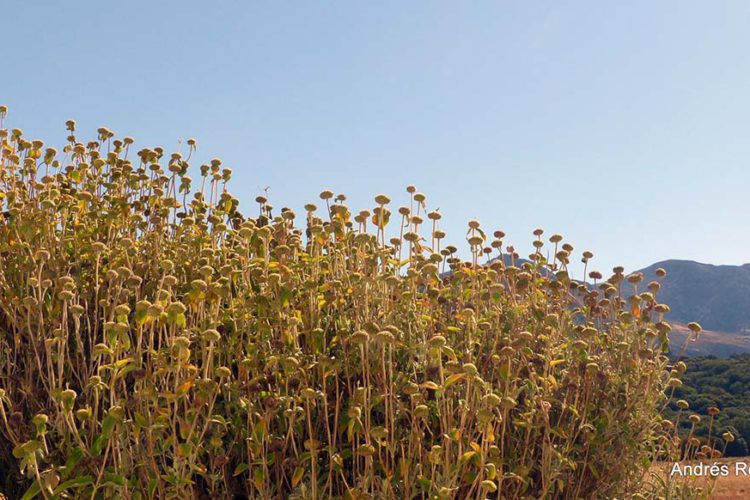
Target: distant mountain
x,y
717,297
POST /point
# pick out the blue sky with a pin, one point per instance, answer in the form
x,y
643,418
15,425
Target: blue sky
x,y
621,125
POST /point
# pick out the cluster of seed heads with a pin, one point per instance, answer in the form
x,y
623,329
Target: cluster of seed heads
x,y
155,342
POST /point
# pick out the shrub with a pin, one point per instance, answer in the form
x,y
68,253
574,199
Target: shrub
x,y
155,343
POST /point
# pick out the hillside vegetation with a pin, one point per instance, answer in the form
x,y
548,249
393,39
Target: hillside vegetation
x,y
723,384
155,342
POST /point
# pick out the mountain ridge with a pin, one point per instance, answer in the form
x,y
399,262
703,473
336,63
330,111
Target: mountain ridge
x,y
716,296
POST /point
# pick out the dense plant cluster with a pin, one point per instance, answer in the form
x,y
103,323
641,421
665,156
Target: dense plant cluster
x,y
155,342
723,384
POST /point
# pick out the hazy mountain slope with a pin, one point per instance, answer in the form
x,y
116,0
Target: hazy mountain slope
x,y
717,297
709,342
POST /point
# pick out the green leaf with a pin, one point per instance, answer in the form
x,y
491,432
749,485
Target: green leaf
x,y
259,478
141,420
424,483
76,482
96,447
299,472
75,456
140,316
32,492
152,484
114,479
240,469
108,425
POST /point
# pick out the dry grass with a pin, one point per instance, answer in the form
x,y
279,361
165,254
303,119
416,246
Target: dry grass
x,y
731,488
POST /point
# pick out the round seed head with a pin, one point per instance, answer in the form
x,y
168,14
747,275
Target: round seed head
x,y
411,236
410,389
470,369
635,278
421,411
436,342
83,414
182,342
384,337
211,335
68,394
359,337
489,486
663,327
674,383
122,310
309,393
508,403
475,241
492,400
176,308
40,420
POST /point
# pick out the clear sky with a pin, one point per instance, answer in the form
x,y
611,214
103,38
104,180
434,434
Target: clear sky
x,y
621,125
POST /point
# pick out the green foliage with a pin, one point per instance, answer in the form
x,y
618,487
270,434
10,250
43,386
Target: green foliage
x,y
156,344
723,383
